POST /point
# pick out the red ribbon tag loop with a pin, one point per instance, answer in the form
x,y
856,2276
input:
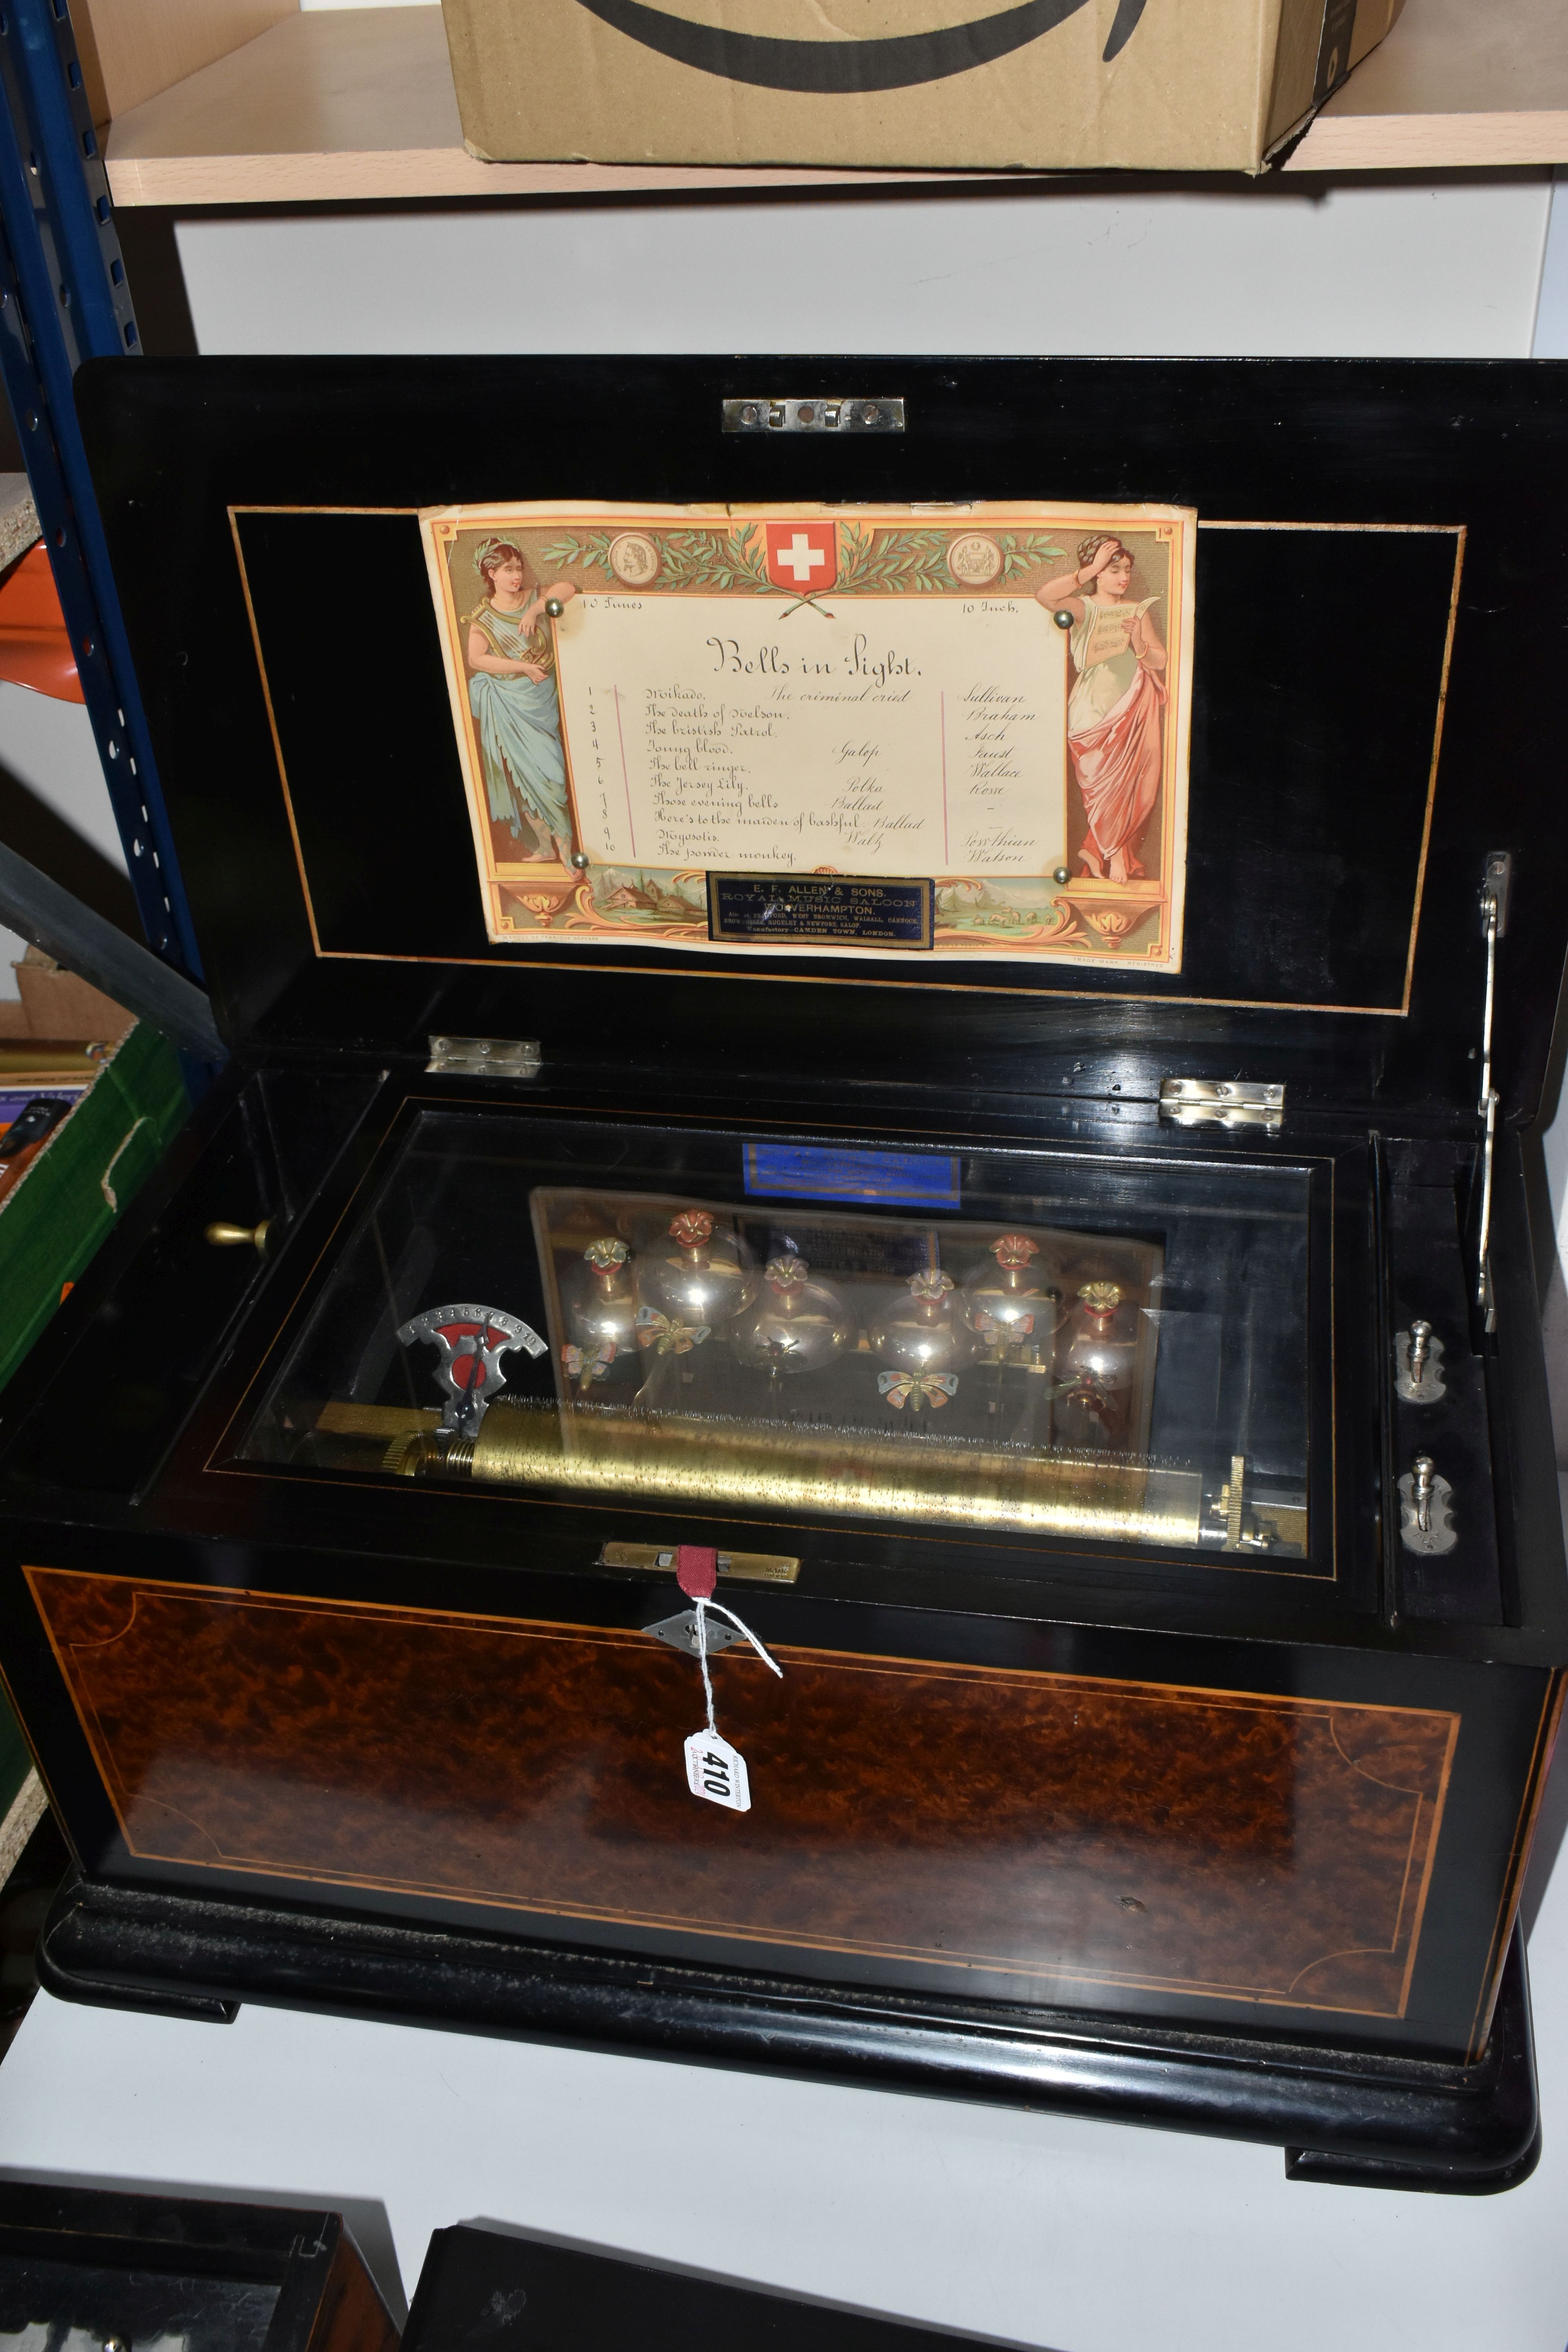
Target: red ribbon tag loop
x,y
696,1571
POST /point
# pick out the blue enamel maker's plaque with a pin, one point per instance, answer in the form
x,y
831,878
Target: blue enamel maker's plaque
x,y
806,1172
823,910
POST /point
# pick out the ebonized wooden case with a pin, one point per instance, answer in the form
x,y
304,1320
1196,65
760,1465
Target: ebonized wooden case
x,y
80,2265
1189,1830
480,2288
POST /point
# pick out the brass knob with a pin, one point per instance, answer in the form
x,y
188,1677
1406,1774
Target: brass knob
x,y
225,1236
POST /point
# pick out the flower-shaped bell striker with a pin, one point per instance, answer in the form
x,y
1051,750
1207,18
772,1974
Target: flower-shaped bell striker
x,y
600,1305
709,1277
796,1325
1102,1341
919,1332
1013,1306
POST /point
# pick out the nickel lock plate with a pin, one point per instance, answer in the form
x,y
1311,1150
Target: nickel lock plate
x,y
818,414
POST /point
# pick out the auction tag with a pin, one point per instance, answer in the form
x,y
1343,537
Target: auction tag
x,y
716,1770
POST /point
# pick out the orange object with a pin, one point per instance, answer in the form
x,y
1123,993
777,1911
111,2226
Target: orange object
x,y
35,647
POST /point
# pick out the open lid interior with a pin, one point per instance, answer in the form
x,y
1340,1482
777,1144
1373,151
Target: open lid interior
x,y
1298,765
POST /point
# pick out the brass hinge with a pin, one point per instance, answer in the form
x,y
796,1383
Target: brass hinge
x,y
484,1057
1222,1102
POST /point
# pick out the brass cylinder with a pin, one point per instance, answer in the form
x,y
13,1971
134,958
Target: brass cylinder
x,y
781,1469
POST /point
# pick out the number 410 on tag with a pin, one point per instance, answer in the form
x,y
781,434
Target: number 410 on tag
x,y
716,1770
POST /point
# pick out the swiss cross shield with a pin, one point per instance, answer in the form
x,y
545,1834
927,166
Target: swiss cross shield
x,y
802,556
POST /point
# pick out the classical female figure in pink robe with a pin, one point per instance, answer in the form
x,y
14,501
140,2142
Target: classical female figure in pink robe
x,y
1116,709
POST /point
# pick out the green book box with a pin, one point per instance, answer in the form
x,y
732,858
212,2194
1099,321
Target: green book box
x,y
51,1224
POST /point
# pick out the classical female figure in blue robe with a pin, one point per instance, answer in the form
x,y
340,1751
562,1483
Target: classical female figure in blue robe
x,y
511,693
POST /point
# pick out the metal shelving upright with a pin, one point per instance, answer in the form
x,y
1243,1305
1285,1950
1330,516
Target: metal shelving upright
x,y
64,297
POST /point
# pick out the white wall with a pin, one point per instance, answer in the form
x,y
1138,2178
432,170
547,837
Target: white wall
x,y
48,745
1551,308
1389,268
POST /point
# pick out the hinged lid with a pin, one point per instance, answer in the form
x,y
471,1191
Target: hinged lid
x,y
1353,669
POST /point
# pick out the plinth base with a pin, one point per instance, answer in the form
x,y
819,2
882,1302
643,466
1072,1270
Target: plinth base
x,y
1361,2119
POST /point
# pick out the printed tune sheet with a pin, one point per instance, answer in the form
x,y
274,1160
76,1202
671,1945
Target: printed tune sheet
x,y
890,731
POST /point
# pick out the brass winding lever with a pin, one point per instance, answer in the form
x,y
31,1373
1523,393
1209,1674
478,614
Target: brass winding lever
x,y
226,1236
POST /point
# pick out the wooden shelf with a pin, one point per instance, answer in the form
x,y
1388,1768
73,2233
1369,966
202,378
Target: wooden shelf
x,y
356,105
348,104
1477,83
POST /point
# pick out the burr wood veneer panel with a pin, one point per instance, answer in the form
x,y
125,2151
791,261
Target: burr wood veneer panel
x,y
1051,1829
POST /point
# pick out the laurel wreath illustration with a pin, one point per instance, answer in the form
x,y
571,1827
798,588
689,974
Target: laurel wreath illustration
x,y
870,561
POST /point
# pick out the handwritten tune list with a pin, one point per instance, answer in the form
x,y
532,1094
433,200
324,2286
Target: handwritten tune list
x,y
883,735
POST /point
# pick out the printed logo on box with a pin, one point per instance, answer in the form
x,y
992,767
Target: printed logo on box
x,y
897,61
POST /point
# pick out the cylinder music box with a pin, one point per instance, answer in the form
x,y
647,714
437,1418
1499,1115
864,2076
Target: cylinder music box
x,y
847,1376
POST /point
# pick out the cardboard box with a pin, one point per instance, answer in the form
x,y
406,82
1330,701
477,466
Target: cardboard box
x,y
55,1004
1063,85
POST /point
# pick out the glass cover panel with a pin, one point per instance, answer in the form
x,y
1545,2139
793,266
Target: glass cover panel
x,y
1049,1344
57,2306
